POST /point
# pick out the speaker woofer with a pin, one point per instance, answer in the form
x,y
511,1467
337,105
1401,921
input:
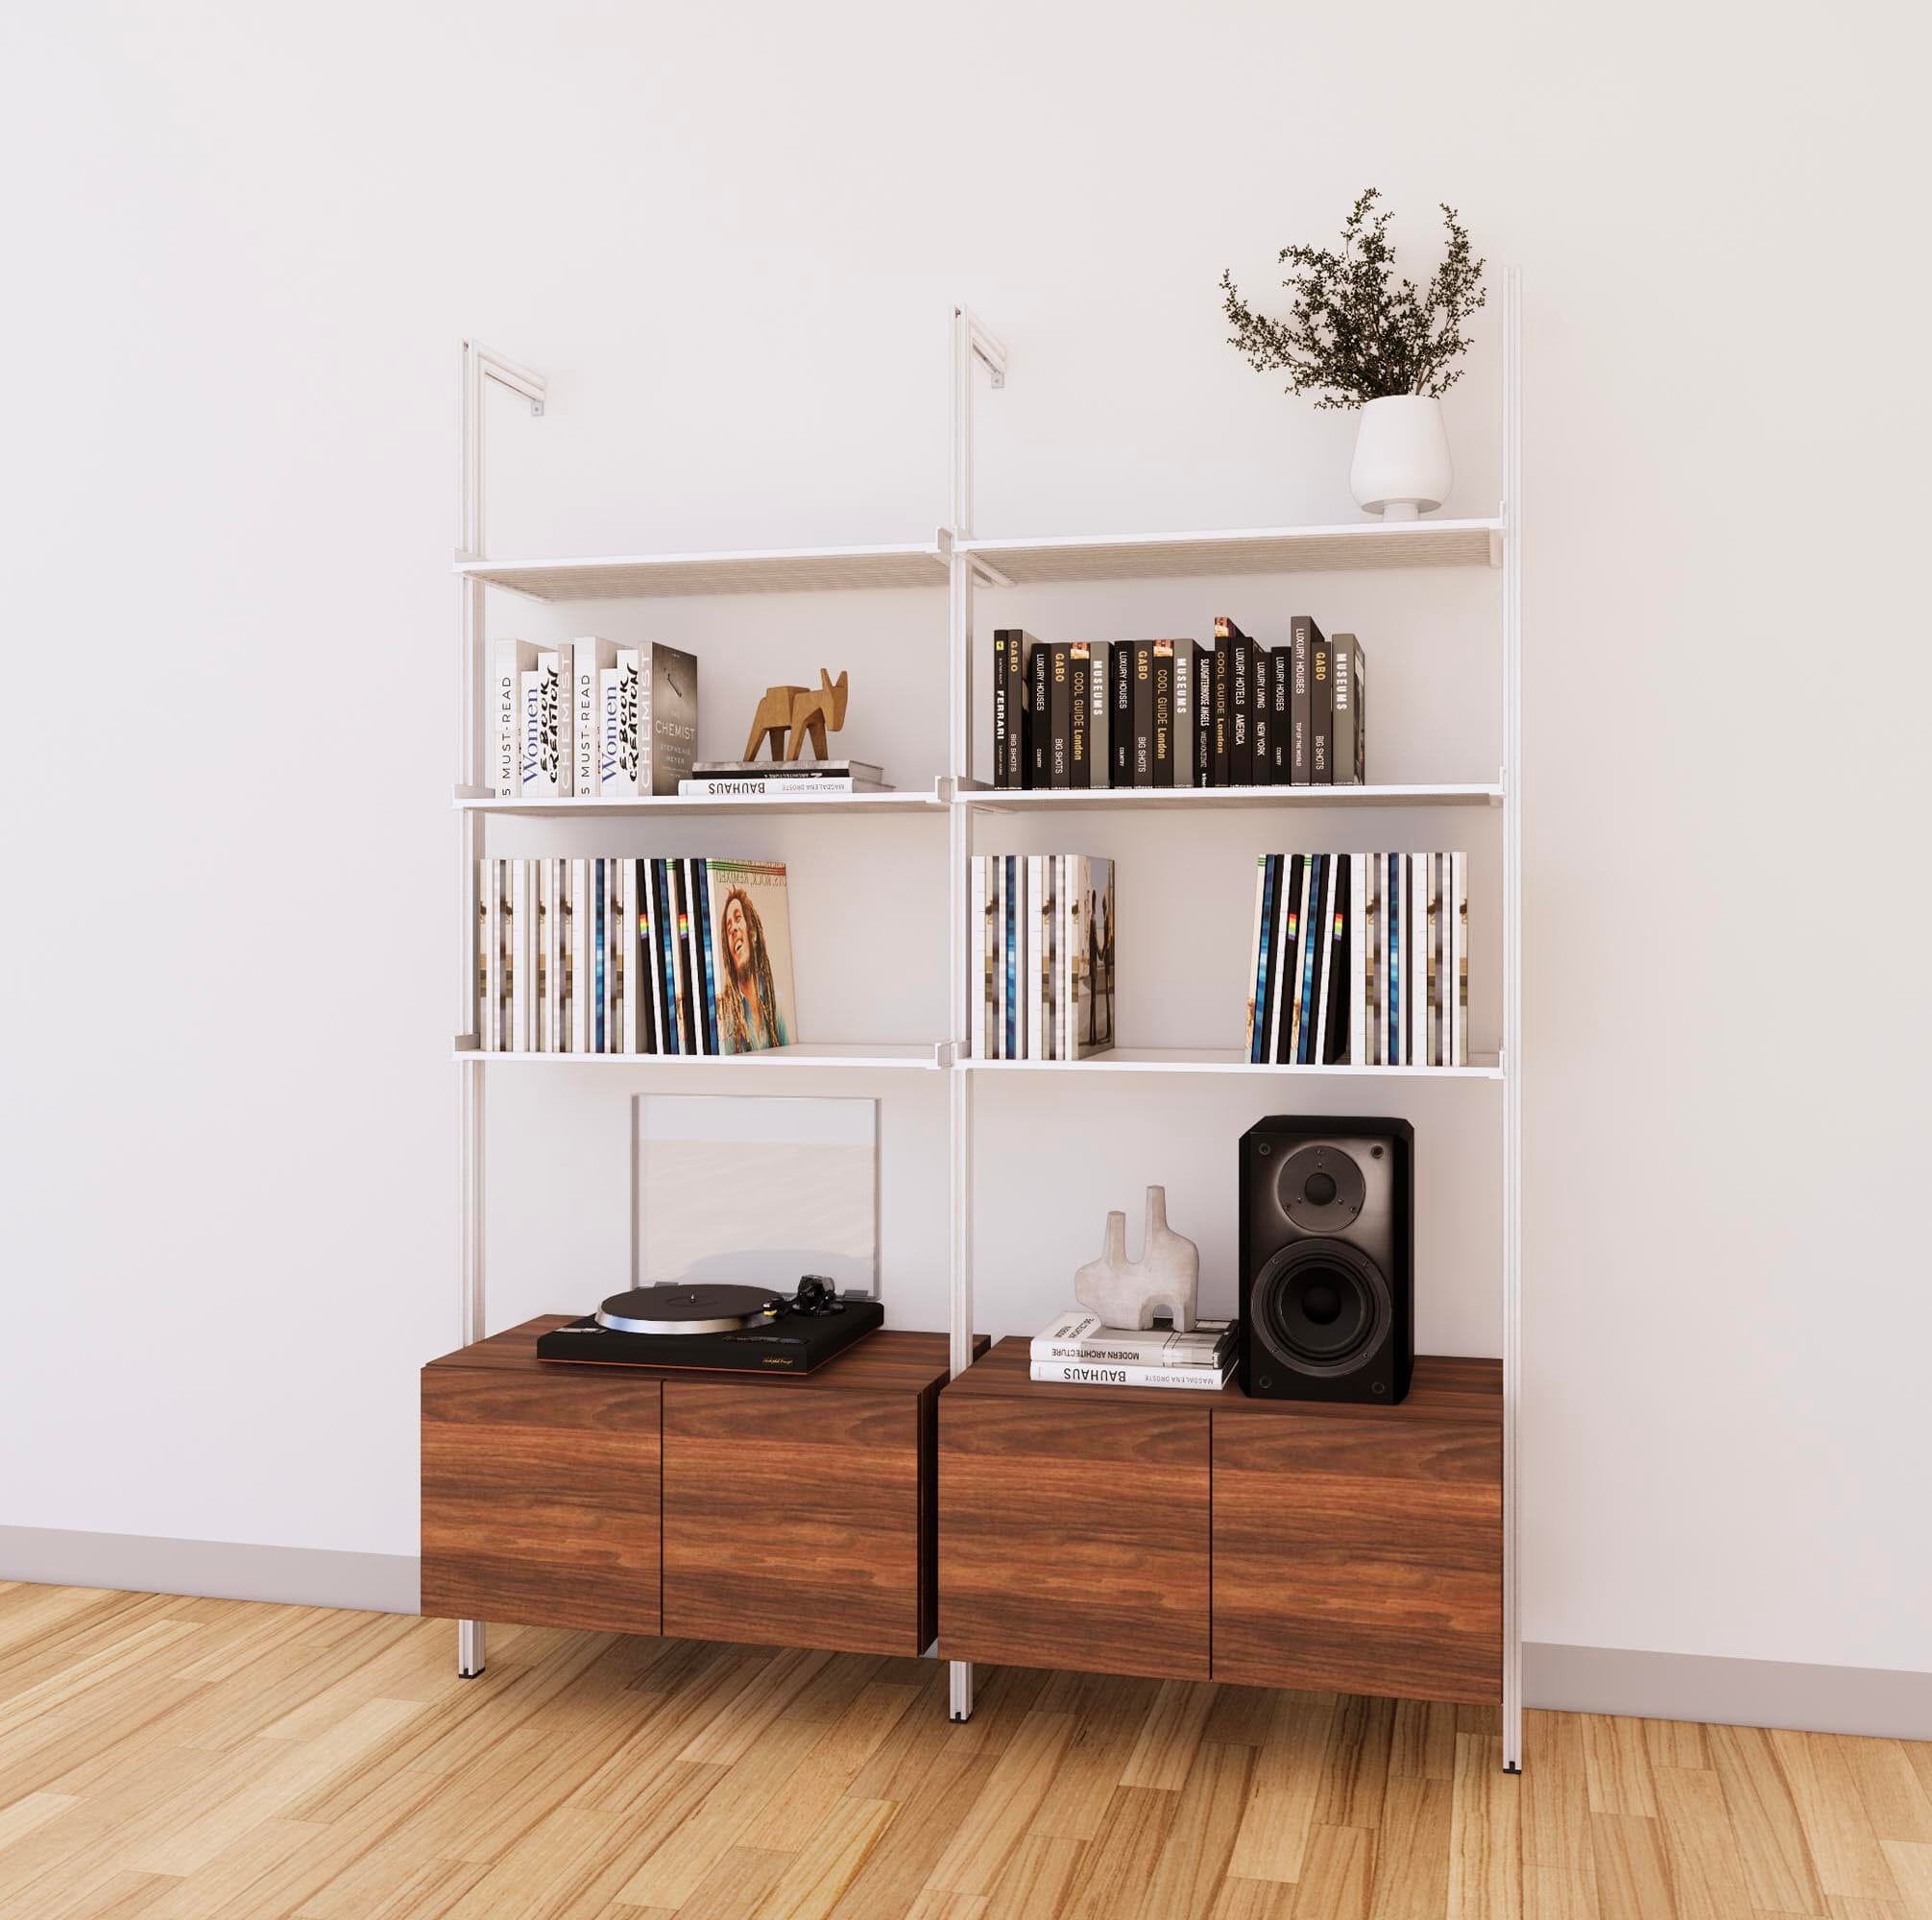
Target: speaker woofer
x,y
1319,1305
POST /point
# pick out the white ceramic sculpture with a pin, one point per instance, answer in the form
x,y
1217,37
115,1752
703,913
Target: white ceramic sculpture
x,y
1166,1279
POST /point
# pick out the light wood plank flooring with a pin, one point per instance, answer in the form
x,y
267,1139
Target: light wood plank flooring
x,y
210,1760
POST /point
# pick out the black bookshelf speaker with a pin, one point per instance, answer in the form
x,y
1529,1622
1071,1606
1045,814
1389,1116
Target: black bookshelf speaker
x,y
1327,1260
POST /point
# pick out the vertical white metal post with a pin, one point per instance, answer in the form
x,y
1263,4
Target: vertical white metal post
x,y
970,342
1513,1008
479,365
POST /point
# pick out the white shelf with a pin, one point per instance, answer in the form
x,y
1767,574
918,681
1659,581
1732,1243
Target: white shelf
x,y
821,569
1225,1059
763,805
1361,546
1078,799
822,1054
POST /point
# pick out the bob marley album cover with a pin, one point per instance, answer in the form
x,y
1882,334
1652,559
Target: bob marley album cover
x,y
751,931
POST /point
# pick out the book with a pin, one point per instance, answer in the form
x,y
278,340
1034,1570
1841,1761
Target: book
x,y
1033,1046
1347,762
1083,1373
1080,706
665,913
1239,701
642,957
1095,1034
549,974
1280,670
1321,712
583,918
631,1028
556,775
1267,978
1203,696
1008,742
1458,896
1163,722
1302,635
976,973
648,721
1219,717
1396,1053
1059,715
749,906
1080,1335
1418,961
1121,714
514,658
1334,1039
1257,958
1286,988
616,943
1184,724
802,772
566,956
1370,1053
529,731
1013,913
1040,682
489,956
589,658
1141,652
1357,934
774,787
1100,713
1262,661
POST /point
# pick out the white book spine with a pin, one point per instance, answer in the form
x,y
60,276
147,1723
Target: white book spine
x,y
554,776
1458,991
1418,921
614,953
628,678
610,729
1357,935
1184,1379
530,733
565,957
514,658
545,973
582,914
752,787
520,981
588,658
1063,954
998,1051
489,955
1323,950
646,680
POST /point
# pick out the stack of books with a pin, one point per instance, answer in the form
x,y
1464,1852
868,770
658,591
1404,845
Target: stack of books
x,y
673,957
1173,714
795,780
1043,956
590,720
1076,1349
1360,960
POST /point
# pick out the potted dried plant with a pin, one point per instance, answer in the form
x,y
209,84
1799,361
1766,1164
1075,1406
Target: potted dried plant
x,y
1359,337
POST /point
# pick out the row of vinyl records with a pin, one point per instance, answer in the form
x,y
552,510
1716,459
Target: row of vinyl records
x,y
1043,956
1106,713
1360,960
672,957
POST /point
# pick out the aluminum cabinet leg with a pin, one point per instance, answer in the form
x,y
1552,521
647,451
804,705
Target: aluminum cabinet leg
x,y
468,1649
960,1673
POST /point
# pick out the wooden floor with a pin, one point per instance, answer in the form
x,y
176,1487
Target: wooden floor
x,y
210,1760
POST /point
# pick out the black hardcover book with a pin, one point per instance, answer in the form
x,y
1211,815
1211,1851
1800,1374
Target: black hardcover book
x,y
1184,711
1320,713
1220,716
1122,719
1268,982
1039,678
1240,714
1278,667
1346,759
1264,725
1142,721
1012,731
1079,673
1100,709
1059,714
1291,915
1164,713
640,961
1203,674
1303,634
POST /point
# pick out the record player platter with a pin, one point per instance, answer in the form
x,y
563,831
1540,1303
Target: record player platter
x,y
702,1308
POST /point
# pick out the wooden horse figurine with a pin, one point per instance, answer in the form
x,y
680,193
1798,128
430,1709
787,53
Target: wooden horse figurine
x,y
813,712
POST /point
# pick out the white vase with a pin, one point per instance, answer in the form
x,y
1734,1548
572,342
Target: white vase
x,y
1402,466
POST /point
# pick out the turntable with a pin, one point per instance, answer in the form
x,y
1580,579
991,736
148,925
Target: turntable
x,y
717,1327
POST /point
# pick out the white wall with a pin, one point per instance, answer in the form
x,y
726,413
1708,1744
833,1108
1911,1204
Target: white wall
x,y
242,245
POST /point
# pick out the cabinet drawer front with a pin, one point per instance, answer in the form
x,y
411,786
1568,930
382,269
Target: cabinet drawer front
x,y
1073,1535
540,1499
792,1518
1358,1557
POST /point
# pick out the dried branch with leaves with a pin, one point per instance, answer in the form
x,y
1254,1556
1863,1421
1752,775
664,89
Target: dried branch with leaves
x,y
1354,331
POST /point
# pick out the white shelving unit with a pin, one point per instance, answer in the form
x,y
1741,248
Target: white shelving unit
x,y
963,566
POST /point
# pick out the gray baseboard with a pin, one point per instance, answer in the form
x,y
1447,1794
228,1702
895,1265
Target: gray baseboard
x,y
1737,1692
226,1569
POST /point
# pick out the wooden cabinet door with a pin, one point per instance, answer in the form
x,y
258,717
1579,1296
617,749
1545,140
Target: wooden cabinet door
x,y
1358,1557
1073,1534
540,1499
792,1517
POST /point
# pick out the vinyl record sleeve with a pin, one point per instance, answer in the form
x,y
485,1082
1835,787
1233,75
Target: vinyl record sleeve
x,y
751,916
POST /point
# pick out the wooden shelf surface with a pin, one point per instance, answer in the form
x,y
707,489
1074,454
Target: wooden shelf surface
x,y
1443,1387
883,1360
